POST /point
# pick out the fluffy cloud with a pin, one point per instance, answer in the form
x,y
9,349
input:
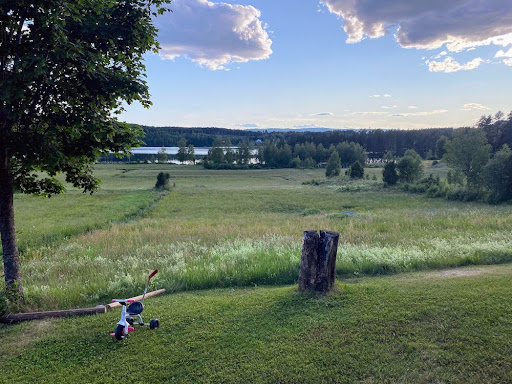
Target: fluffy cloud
x,y
473,106
213,35
450,65
460,24
323,114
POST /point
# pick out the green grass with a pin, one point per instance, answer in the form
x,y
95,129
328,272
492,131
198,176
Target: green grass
x,y
237,228
434,327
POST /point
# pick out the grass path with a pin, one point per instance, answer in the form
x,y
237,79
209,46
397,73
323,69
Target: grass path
x,y
429,327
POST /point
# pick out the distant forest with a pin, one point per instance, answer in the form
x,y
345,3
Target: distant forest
x,y
376,142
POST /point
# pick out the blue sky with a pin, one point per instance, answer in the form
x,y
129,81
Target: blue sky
x,y
329,63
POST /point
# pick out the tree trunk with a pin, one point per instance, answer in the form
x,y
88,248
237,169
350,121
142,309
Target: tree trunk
x,y
318,261
7,232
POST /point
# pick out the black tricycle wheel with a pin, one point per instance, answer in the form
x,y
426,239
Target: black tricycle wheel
x,y
154,323
120,332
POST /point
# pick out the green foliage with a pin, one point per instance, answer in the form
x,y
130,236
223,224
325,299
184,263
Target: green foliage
x,y
440,150
333,166
182,150
468,152
216,154
455,177
191,156
389,174
356,170
162,180
63,78
498,175
162,155
409,167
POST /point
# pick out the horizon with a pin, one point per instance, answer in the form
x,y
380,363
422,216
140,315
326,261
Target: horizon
x,y
263,64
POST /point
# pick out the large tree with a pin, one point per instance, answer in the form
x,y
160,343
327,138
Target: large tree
x,y
468,152
66,68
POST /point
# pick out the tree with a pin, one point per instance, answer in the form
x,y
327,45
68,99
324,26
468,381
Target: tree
x,y
229,156
440,146
498,175
191,154
334,165
468,152
356,170
182,150
389,175
66,68
162,155
410,167
217,152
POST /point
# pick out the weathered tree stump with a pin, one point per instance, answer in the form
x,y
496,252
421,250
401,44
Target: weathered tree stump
x,y
318,261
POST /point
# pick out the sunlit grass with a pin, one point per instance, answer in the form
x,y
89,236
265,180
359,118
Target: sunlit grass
x,y
239,228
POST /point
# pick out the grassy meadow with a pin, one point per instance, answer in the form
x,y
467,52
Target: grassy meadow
x,y
227,245
237,228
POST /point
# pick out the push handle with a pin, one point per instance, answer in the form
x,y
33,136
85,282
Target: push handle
x,y
153,274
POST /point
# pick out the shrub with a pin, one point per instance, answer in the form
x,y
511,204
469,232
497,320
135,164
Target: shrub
x,y
389,174
162,180
356,170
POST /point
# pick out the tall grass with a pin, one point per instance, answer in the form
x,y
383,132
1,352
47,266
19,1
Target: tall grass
x,y
240,228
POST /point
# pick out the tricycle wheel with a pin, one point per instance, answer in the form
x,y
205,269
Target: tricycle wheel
x,y
120,332
154,323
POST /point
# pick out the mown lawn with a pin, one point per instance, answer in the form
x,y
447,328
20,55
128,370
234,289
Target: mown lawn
x,y
450,326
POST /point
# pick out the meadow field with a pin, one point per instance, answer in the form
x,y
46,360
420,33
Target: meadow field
x,y
237,228
227,245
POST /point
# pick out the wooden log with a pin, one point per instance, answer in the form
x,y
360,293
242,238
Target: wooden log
x,y
18,317
136,298
311,247
318,261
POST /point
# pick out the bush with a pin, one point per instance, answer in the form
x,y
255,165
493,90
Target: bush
x,y
389,174
162,180
356,170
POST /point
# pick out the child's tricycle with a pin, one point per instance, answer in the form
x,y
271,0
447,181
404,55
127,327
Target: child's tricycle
x,y
134,310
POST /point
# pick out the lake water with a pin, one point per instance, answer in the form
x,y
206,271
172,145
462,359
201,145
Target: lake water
x,y
199,151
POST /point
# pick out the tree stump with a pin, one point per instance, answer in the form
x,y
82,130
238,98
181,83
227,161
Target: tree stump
x,y
318,261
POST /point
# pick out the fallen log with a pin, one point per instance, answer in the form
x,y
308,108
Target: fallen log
x,y
18,317
136,298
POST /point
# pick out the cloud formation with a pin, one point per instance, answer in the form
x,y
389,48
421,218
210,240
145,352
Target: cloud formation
x,y
248,125
213,35
460,24
450,65
434,112
322,114
474,106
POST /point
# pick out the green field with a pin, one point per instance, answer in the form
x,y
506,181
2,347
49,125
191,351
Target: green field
x,y
237,228
236,231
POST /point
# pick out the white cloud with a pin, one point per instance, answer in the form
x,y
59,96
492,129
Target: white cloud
x,y
450,65
460,24
434,112
248,125
387,95
412,107
213,35
389,106
508,62
474,106
322,114
375,96
306,126
502,53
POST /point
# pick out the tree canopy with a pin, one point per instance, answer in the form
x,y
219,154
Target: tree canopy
x,y
66,69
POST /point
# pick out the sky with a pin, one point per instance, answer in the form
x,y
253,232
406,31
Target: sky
x,y
354,64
